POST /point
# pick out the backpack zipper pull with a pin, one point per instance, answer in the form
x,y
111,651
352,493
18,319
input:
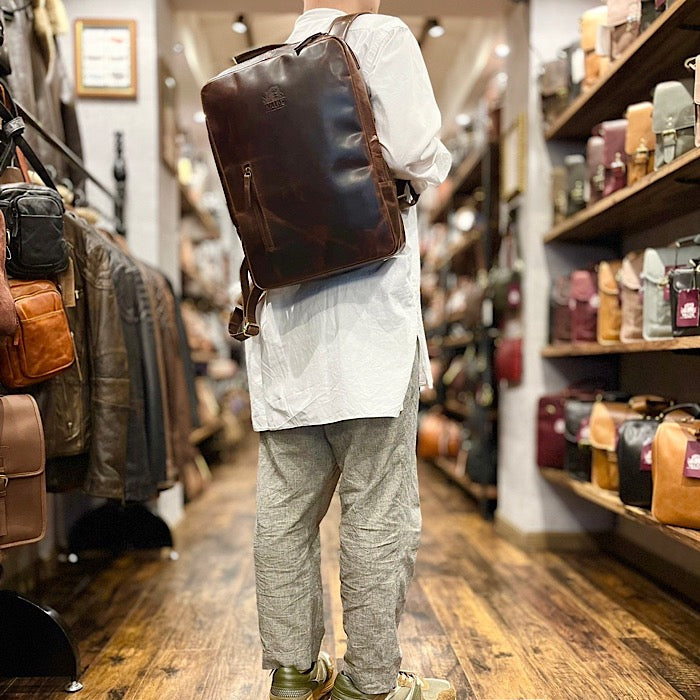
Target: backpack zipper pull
x,y
247,182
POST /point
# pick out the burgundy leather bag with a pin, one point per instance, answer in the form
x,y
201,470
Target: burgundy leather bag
x,y
584,303
295,144
614,133
508,360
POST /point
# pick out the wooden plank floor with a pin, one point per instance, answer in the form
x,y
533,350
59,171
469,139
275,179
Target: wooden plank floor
x,y
499,623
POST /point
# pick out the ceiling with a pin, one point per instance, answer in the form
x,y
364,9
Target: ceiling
x,y
460,63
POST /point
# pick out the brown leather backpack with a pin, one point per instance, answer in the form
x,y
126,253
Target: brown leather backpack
x,y
293,136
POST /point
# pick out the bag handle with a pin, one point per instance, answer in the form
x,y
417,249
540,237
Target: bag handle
x,y
242,322
692,408
12,135
341,25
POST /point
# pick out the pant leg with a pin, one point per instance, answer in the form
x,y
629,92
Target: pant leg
x,y
379,535
297,475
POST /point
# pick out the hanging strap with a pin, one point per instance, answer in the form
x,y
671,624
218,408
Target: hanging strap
x,y
341,25
242,323
11,137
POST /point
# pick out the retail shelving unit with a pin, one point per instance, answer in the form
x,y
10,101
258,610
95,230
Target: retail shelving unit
x,y
662,196
610,501
479,169
189,206
657,55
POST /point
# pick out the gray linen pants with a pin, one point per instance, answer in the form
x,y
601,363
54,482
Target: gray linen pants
x,y
374,462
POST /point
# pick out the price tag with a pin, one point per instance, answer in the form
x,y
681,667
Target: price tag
x,y
688,311
645,461
692,460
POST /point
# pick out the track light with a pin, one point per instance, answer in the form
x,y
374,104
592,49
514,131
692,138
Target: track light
x,y
435,29
502,50
240,26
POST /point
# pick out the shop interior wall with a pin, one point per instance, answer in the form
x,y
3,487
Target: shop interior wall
x,y
152,200
527,503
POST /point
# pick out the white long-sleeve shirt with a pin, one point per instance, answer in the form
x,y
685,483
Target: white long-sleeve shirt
x,y
343,347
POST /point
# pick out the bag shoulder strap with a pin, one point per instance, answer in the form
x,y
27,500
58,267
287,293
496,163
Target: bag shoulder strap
x,y
242,323
341,25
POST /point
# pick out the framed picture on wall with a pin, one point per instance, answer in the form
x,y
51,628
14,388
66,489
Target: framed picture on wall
x,y
514,159
105,58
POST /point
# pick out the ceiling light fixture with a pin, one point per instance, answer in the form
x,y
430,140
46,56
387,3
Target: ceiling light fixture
x,y
240,26
463,119
435,29
199,117
502,50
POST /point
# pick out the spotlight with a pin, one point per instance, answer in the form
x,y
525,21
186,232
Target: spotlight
x,y
240,26
199,117
170,82
502,50
435,29
178,48
463,120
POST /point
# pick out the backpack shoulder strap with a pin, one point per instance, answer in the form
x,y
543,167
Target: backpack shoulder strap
x,y
341,25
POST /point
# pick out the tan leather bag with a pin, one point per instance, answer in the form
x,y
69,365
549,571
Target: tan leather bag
x,y
22,478
42,346
609,313
595,64
438,436
625,22
606,419
640,141
8,315
675,469
631,306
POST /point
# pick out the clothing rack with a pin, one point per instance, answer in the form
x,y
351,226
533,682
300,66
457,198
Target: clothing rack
x,y
119,168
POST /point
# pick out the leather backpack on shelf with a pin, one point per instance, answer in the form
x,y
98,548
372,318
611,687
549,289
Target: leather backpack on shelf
x,y
291,127
609,314
625,23
674,120
595,165
583,303
640,141
22,477
685,300
613,133
631,296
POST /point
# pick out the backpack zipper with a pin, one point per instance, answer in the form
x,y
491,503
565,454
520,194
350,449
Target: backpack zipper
x,y
252,202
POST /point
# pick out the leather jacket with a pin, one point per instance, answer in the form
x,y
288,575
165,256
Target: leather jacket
x,y
146,452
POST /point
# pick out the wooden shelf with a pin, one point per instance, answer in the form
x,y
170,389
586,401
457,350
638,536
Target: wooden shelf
x,y
583,349
655,56
480,492
466,178
667,193
189,206
611,501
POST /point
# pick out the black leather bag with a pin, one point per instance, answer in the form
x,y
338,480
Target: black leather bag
x,y
634,455
577,457
36,247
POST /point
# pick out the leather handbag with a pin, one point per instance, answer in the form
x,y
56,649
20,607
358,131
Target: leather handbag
x,y
606,419
685,300
22,477
674,120
634,453
560,311
291,126
625,22
595,165
640,141
577,458
508,360
591,20
42,346
630,278
560,196
576,183
504,278
8,315
584,303
438,436
554,88
614,156
609,312
658,263
676,474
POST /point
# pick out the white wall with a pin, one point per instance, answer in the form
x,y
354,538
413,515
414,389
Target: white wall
x,y
151,205
525,500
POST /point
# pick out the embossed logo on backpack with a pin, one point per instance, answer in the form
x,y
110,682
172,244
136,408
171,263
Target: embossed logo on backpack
x,y
274,99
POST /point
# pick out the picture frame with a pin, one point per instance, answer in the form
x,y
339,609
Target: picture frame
x,y
106,58
514,159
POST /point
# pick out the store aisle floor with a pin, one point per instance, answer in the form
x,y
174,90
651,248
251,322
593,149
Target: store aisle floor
x,y
499,623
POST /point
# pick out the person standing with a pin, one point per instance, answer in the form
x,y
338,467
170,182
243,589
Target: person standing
x,y
334,378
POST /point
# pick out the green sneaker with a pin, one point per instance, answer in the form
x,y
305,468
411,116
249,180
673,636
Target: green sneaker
x,y
290,684
409,687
